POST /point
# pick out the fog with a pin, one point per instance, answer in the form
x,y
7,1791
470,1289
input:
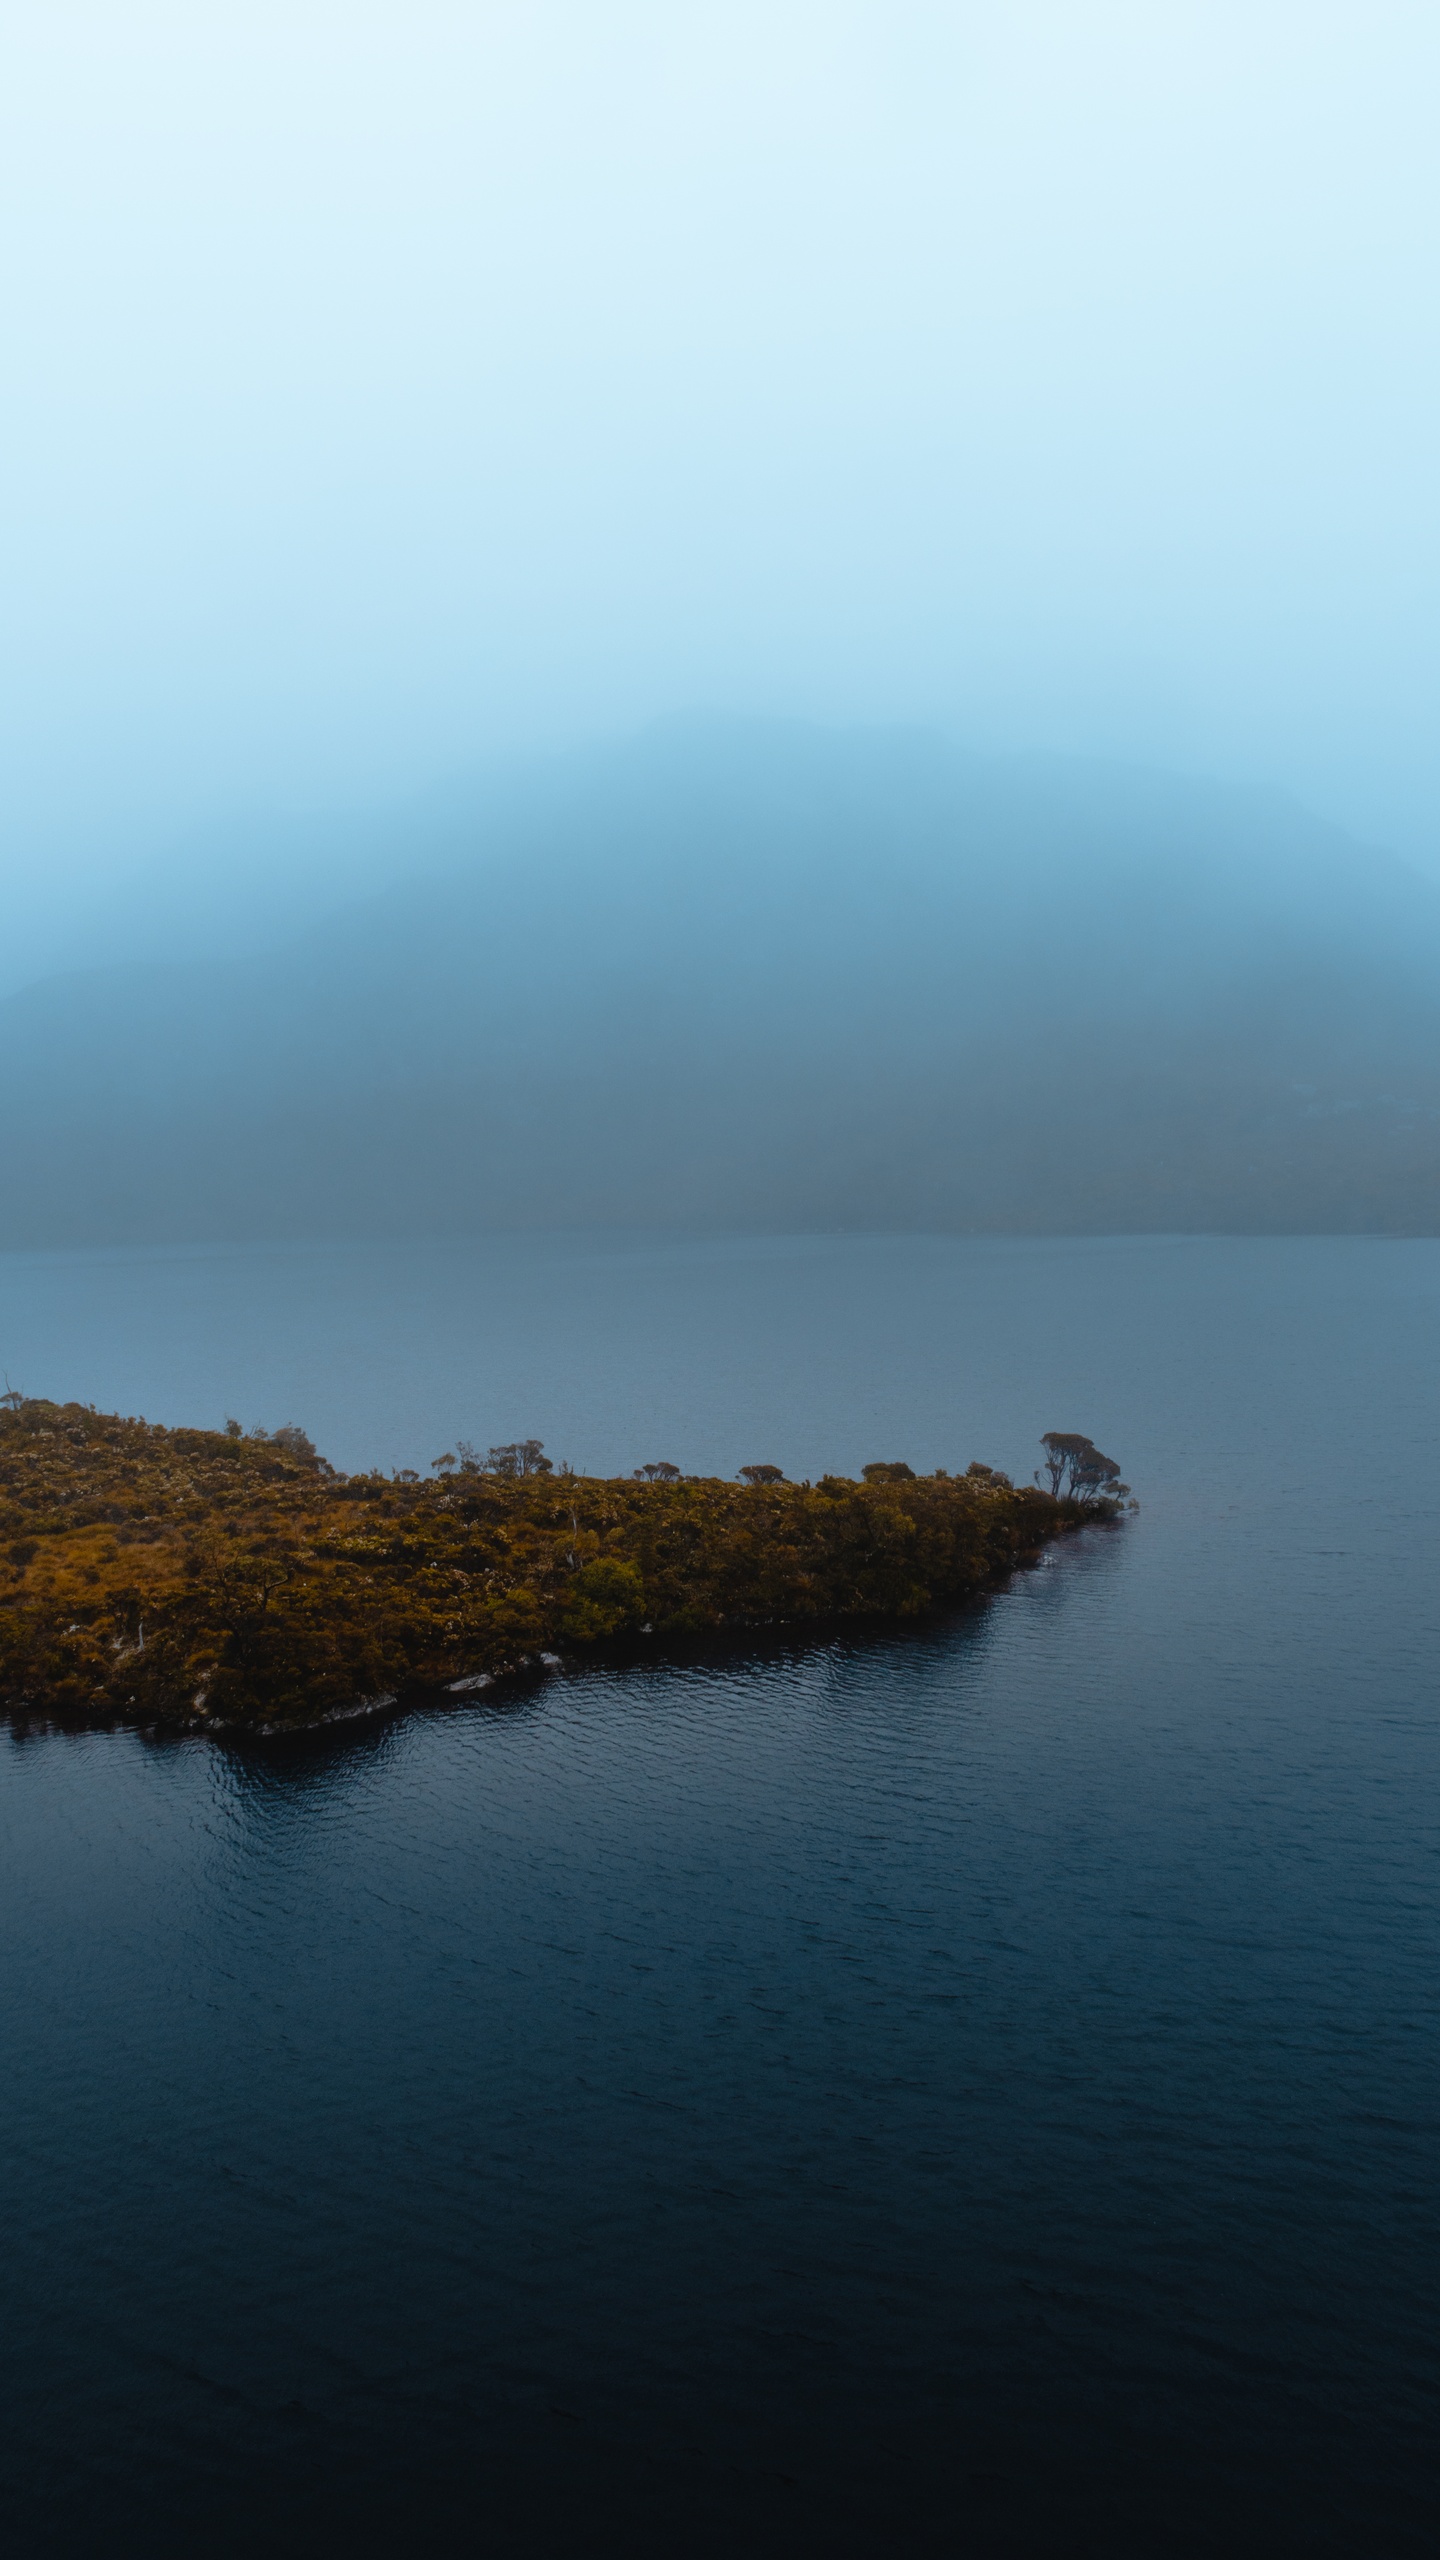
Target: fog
x,y
764,975
392,387
408,409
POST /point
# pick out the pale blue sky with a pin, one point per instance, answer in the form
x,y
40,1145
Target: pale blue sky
x,y
391,385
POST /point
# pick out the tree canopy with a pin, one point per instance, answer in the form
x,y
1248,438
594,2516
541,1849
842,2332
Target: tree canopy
x,y
510,1458
1077,1469
209,1577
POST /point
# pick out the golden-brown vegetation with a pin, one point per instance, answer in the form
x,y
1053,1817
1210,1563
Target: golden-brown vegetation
x,y
203,1578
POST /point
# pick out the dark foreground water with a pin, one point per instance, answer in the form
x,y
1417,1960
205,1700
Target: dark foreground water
x,y
976,2093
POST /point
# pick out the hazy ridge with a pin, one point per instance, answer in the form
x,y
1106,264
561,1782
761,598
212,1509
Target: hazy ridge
x,y
766,976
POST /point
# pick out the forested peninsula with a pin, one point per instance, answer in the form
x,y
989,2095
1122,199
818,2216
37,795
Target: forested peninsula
x,y
206,1580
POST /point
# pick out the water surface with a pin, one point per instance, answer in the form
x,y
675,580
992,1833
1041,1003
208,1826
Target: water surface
x,y
974,2092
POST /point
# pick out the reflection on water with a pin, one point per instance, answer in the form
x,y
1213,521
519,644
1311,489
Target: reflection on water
x,y
970,2091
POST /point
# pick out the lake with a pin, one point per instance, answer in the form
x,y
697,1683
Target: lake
x,y
975,2092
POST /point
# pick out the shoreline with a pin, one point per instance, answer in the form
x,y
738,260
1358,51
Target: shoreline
x,y
223,1582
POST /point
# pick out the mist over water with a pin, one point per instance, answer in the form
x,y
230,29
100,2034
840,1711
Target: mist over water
x,y
766,975
994,451
881,558
719,744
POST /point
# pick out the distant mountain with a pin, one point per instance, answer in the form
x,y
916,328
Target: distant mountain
x,y
766,976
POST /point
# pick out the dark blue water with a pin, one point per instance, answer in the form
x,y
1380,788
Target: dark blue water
x,y
974,2093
